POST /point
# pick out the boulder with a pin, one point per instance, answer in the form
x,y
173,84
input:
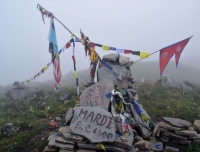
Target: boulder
x,y
69,115
123,60
104,72
177,122
185,87
94,123
156,146
123,141
58,119
137,138
95,94
8,129
197,124
192,84
142,145
113,57
170,82
16,94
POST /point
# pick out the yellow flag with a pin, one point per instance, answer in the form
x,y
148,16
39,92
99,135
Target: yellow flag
x,y
75,74
105,47
45,68
57,55
144,54
102,146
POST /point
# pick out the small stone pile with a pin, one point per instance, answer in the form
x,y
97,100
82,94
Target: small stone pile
x,y
177,131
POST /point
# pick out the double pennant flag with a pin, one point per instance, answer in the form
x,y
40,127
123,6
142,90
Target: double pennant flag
x,y
167,53
53,49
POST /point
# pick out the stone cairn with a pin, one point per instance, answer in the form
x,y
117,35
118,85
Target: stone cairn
x,y
93,126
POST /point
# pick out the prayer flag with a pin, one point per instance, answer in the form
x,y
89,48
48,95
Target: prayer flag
x,y
144,54
180,48
77,40
53,47
112,48
99,45
127,51
105,47
68,45
75,74
136,53
55,57
73,58
119,50
167,53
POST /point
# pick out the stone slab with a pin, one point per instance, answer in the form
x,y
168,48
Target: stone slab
x,y
127,143
67,134
64,141
197,124
50,149
107,147
177,122
95,94
132,149
164,140
196,137
104,72
69,115
142,145
166,125
154,147
183,142
86,150
172,135
145,132
64,146
64,150
52,140
94,123
186,133
113,57
171,149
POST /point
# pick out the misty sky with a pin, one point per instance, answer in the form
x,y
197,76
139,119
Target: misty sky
x,y
137,25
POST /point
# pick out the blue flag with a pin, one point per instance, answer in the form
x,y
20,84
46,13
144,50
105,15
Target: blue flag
x,y
52,38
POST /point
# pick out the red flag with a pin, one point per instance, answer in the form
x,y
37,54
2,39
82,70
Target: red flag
x,y
57,74
127,51
167,53
68,45
180,48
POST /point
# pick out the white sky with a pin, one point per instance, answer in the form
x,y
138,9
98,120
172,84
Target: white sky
x,y
137,25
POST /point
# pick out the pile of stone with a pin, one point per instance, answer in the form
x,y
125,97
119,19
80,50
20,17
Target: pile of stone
x,y
177,131
8,129
92,126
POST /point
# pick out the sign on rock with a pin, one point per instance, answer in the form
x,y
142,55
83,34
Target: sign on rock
x,y
95,123
95,94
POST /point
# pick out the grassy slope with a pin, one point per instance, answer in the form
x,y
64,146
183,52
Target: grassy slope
x,y
157,101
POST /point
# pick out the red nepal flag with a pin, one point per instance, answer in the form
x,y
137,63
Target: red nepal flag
x,y
167,53
180,49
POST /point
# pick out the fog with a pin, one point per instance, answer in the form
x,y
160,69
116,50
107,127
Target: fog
x,y
136,25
